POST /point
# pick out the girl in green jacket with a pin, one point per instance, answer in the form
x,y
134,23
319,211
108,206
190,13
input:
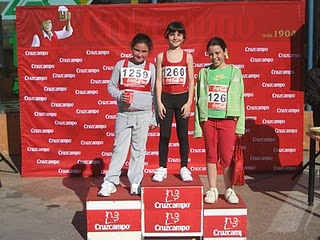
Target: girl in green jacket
x,y
219,116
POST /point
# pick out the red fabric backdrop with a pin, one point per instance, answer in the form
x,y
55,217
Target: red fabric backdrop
x,y
67,116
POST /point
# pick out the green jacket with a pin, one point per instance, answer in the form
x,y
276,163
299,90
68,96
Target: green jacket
x,y
235,107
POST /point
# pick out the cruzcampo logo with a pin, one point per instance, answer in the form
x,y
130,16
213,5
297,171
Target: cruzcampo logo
x,y
9,11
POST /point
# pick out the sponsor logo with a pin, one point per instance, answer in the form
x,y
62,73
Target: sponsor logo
x,y
107,68
63,75
283,95
62,105
69,153
289,55
251,118
259,158
288,110
173,144
69,171
42,131
106,154
289,168
284,130
42,66
108,116
92,52
98,126
273,121
197,169
273,85
45,114
99,81
60,140
250,168
282,72
35,149
153,134
112,217
86,92
249,95
251,75
55,89
87,70
229,225
189,50
105,102
65,123
257,108
201,65
36,53
261,60
125,55
48,161
172,195
87,111
35,78
89,162
284,150
170,224
35,99
152,153
240,66
256,49
91,143
70,60
255,139
197,150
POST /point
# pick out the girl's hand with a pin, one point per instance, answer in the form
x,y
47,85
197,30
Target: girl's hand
x,y
153,127
185,110
161,111
239,135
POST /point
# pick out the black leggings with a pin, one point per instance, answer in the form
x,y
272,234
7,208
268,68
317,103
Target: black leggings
x,y
173,104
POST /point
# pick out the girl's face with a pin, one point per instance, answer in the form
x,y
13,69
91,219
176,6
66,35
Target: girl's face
x,y
140,52
217,55
175,39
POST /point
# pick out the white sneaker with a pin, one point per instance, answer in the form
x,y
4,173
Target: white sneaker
x,y
135,189
159,174
106,189
211,195
231,196
185,174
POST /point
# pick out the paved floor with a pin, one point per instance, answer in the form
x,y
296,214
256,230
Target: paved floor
x,y
53,208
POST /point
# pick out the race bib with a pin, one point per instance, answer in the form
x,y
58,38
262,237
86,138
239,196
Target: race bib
x,y
217,97
174,75
134,77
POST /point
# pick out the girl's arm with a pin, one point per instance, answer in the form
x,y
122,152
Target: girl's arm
x,y
187,107
161,108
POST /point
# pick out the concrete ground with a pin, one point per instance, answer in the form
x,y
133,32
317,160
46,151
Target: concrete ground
x,y
54,208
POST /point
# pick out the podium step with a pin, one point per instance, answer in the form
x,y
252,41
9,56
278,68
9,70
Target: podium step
x,y
223,220
116,217
171,209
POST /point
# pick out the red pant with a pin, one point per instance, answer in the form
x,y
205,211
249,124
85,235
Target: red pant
x,y
219,138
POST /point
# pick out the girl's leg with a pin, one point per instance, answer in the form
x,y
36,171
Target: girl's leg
x,y
120,148
138,147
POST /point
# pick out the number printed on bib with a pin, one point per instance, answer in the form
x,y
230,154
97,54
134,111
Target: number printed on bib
x,y
217,97
174,75
134,77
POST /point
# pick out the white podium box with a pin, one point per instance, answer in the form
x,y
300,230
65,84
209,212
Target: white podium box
x,y
225,221
172,208
116,217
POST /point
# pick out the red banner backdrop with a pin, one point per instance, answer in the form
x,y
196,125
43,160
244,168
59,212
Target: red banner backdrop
x,y
67,115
